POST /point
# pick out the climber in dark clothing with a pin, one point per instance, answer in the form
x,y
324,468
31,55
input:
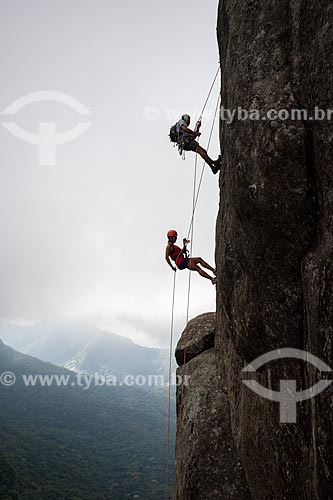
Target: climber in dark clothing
x,y
187,142
182,261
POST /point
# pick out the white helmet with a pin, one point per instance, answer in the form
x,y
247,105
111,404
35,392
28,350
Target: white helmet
x,y
187,118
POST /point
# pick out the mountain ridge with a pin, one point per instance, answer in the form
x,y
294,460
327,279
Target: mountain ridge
x,y
82,348
69,443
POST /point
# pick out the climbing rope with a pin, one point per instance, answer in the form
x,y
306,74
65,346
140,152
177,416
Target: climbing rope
x,y
210,91
169,387
203,167
192,234
182,388
196,192
195,197
206,102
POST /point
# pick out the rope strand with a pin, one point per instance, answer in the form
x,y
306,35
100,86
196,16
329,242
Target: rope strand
x,y
180,416
203,166
169,388
210,91
190,232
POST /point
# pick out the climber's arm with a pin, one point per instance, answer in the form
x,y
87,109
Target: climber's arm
x,y
185,243
189,131
167,257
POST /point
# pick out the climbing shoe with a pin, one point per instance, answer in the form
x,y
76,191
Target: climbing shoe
x,y
218,162
216,165
214,280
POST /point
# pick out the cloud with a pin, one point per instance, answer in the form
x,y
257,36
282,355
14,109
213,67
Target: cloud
x,y
84,239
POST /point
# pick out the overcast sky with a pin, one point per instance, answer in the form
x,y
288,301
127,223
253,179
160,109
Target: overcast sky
x,y
84,239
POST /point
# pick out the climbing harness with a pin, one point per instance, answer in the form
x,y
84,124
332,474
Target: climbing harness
x,y
196,192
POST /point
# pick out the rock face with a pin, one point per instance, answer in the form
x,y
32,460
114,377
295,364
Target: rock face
x,y
198,336
208,465
274,238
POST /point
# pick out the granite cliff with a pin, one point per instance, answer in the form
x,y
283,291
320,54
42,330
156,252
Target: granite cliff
x,y
274,261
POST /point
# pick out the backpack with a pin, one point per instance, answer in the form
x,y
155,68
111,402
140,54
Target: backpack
x,y
173,135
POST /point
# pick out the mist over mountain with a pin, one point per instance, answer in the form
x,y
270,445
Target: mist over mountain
x,y
84,348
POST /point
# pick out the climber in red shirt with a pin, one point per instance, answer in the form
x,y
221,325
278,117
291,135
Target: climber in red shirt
x,y
182,261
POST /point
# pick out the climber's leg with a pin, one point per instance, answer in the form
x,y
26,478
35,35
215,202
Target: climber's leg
x,y
192,266
199,260
203,153
214,165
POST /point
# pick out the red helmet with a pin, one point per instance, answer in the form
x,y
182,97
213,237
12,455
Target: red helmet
x,y
172,232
